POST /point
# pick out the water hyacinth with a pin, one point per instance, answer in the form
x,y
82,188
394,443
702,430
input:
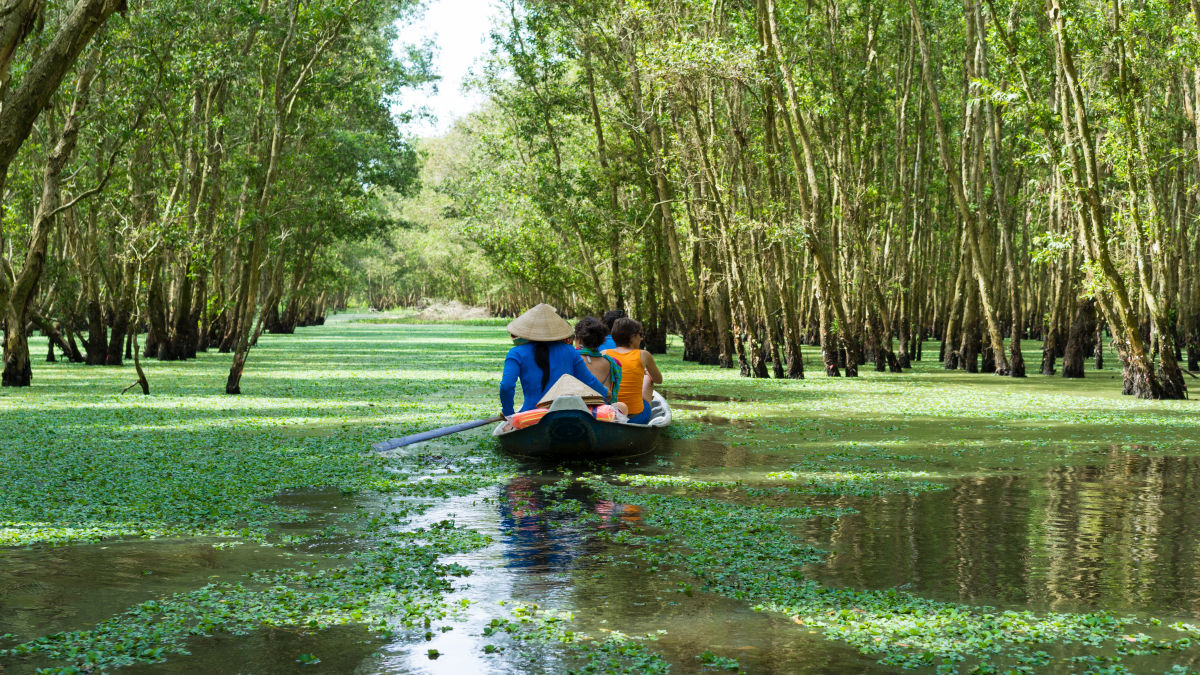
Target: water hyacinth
x,y
740,512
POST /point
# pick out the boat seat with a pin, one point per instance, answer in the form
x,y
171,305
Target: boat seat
x,y
569,403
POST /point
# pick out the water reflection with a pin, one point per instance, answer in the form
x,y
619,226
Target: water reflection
x,y
546,532
341,650
1123,535
544,552
49,589
541,523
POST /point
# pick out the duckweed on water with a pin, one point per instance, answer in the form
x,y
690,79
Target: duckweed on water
x,y
86,464
391,588
612,654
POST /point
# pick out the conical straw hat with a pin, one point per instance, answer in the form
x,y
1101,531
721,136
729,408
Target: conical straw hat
x,y
541,324
569,385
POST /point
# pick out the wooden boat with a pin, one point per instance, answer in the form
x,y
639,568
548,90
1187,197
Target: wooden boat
x,y
569,432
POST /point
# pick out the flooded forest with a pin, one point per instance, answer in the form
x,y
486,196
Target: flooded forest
x,y
922,279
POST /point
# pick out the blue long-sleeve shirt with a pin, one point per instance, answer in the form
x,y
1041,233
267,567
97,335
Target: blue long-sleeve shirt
x,y
520,364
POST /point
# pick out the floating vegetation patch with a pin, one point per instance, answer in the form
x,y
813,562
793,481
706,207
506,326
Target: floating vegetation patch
x,y
611,654
396,585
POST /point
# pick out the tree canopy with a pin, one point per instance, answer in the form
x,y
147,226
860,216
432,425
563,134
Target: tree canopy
x,y
196,172
757,175
754,176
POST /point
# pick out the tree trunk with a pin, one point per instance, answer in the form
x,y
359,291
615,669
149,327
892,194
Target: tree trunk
x,y
18,371
807,186
1082,327
19,297
829,345
40,82
76,355
968,349
951,357
1139,375
55,337
122,314
158,341
968,214
183,333
97,340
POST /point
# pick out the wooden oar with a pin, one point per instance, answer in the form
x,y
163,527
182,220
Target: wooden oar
x,y
384,446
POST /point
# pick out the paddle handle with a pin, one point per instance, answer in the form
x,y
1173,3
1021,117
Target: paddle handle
x,y
392,444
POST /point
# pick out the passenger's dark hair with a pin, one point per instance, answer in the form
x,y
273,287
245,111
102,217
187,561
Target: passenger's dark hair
x,y
541,356
624,329
611,316
590,332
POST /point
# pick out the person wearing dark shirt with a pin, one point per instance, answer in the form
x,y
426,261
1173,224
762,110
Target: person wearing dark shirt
x,y
539,357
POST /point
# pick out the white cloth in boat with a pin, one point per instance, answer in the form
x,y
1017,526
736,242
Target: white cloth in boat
x,y
569,385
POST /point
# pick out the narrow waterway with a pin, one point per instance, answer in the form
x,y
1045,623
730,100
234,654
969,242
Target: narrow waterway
x,y
1119,532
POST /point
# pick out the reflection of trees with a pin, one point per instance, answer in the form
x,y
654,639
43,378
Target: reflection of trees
x,y
1119,535
966,543
990,543
1124,533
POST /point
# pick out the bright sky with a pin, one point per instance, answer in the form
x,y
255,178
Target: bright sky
x,y
459,29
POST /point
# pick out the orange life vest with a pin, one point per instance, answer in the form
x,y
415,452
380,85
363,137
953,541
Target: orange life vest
x,y
632,372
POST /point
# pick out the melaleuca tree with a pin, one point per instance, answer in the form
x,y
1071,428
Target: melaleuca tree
x,y
235,144
758,175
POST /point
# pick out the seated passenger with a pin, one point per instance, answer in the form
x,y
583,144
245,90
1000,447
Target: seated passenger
x,y
539,358
639,372
589,334
610,317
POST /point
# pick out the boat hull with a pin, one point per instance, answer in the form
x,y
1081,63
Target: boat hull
x,y
567,435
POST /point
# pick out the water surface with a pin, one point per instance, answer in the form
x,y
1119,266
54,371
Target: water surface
x,y
1117,531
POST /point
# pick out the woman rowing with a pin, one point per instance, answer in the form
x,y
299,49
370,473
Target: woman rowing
x,y
639,372
539,358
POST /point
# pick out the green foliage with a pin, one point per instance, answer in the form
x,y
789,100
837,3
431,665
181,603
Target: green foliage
x,y
422,254
219,138
614,654
719,662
